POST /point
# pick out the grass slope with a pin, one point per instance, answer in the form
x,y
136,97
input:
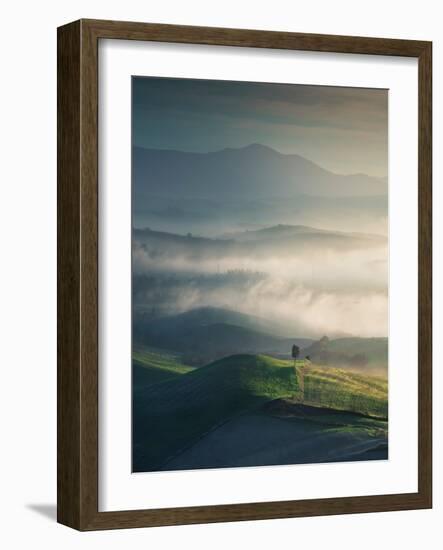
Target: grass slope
x,y
172,415
151,366
298,436
348,391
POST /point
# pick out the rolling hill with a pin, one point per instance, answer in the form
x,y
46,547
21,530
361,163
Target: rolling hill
x,y
204,334
346,391
276,241
149,366
287,232
171,416
208,315
366,353
306,435
220,215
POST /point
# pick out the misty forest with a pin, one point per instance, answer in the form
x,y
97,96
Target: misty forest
x,y
259,277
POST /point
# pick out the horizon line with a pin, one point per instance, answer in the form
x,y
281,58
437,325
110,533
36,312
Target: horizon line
x,y
258,146
224,236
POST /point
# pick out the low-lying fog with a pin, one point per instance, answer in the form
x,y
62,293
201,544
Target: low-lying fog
x,y
314,284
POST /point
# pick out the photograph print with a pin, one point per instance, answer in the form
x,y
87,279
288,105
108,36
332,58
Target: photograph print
x,y
259,274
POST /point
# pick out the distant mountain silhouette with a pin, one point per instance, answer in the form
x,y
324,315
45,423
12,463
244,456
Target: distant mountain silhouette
x,y
207,333
255,171
286,231
351,351
283,240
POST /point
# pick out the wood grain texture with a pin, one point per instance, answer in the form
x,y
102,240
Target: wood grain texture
x,y
253,38
425,274
68,276
78,272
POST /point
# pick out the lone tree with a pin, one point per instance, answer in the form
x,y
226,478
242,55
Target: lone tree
x,y
295,352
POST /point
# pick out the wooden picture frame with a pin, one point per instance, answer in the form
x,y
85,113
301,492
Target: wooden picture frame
x,y
78,274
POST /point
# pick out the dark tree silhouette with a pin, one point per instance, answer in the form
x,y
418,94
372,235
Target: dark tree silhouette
x,y
295,352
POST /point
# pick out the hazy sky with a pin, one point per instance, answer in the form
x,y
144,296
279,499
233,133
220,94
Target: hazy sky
x,y
344,130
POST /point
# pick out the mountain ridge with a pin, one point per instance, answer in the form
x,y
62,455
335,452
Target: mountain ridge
x,y
260,147
207,333
297,229
276,230
251,171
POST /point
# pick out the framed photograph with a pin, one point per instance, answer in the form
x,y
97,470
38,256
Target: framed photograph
x,y
244,275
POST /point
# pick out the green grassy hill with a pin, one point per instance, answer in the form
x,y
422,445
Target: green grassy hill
x,y
347,391
171,415
150,366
